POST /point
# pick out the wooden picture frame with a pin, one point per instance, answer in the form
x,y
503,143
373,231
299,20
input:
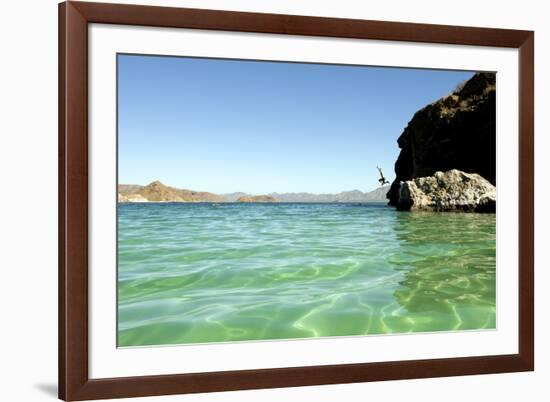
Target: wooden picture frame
x,y
74,381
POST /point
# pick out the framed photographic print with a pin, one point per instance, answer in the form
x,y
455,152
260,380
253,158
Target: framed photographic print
x,y
259,200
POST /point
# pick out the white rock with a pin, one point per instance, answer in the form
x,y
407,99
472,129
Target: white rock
x,y
453,190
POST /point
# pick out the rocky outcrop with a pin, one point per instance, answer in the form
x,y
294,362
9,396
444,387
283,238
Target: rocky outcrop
x,y
455,132
257,198
158,192
453,190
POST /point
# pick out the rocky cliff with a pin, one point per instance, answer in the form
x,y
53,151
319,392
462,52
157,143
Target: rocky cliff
x,y
456,132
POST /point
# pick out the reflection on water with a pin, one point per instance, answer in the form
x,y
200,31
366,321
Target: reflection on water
x,y
191,273
450,272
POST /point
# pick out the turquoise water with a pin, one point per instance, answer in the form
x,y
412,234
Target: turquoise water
x,y
191,273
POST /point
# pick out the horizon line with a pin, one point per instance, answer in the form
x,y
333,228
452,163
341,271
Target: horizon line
x,y
253,193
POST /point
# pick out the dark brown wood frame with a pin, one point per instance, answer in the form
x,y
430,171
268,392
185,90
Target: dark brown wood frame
x,y
74,383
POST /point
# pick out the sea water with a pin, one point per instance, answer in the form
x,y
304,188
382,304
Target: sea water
x,y
202,272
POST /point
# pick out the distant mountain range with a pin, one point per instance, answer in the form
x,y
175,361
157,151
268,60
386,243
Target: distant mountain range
x,y
378,195
158,192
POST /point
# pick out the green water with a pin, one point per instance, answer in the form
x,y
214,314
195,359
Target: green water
x,y
191,273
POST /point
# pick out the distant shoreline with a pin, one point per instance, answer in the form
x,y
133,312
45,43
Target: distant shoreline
x,y
159,192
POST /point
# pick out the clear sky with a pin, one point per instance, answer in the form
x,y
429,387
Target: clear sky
x,y
259,127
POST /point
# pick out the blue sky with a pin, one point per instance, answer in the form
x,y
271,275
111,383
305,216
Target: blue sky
x,y
260,127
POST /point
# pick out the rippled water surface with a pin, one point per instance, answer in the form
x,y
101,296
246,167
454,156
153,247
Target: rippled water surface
x,y
192,273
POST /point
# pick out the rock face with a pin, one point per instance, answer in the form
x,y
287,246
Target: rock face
x,y
453,190
455,132
257,198
158,192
